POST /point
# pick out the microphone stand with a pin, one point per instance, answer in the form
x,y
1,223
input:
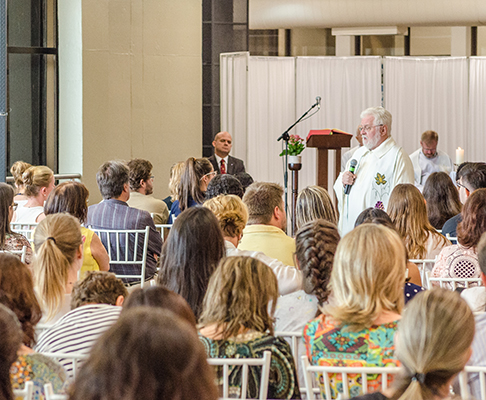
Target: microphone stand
x,y
286,136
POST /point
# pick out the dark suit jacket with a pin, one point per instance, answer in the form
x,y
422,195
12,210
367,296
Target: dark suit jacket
x,y
234,166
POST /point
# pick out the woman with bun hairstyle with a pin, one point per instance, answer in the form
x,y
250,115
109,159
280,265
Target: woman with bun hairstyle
x,y
232,215
59,255
17,169
191,190
72,197
38,184
433,345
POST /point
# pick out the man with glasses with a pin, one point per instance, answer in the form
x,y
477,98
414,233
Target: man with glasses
x,y
470,176
142,188
428,159
380,165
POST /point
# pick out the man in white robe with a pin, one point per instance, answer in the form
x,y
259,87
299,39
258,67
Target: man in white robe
x,y
428,159
381,165
349,154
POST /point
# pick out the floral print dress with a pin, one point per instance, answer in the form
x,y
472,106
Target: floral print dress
x,y
328,343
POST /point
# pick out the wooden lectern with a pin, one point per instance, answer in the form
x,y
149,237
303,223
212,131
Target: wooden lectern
x,y
325,140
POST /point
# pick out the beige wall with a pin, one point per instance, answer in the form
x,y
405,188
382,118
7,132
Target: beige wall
x,y
142,90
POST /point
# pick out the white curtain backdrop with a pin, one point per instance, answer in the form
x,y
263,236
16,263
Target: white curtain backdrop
x,y
234,99
271,110
347,86
476,151
428,93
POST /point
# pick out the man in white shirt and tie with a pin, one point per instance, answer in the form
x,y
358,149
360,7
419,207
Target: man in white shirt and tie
x,y
222,162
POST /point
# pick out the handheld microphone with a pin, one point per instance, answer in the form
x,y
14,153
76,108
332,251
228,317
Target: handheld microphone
x,y
352,167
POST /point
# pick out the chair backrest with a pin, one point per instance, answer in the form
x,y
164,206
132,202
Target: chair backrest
x,y
50,395
22,253
127,247
424,266
24,229
75,358
163,229
469,385
310,370
226,363
27,393
452,239
454,283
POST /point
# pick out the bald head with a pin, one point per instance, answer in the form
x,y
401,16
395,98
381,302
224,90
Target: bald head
x,y
222,144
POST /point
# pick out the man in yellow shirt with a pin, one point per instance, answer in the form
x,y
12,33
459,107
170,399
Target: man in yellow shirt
x,y
267,222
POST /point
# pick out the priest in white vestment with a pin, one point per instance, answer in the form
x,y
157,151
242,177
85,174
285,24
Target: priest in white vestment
x,y
428,159
381,165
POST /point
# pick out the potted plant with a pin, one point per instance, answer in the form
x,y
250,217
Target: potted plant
x,y
295,147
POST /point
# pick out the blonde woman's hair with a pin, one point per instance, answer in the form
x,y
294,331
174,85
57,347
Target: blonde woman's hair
x,y
408,213
238,295
231,213
17,169
35,178
314,203
56,240
367,276
175,178
434,338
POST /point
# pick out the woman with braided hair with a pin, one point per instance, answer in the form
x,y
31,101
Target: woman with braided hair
x,y
433,345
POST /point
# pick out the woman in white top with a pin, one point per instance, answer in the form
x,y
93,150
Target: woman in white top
x,y
38,183
59,255
408,213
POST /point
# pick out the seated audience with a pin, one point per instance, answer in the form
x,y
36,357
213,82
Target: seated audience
x,y
470,177
433,345
408,213
142,189
190,255
442,199
313,202
59,255
10,240
461,260
10,341
267,222
224,184
160,297
165,361
17,293
191,191
72,197
380,217
174,179
17,169
95,306
232,215
367,299
476,299
245,179
114,213
38,184
237,322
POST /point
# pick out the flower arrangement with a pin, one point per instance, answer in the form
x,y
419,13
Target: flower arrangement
x,y
296,146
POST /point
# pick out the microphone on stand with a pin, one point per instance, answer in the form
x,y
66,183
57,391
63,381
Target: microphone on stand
x,y
352,167
318,102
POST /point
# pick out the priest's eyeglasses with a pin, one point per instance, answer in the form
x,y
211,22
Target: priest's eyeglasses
x,y
367,128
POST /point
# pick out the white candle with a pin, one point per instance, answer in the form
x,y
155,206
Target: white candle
x,y
459,156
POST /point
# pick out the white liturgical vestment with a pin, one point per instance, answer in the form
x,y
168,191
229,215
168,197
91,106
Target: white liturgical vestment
x,y
423,166
377,172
